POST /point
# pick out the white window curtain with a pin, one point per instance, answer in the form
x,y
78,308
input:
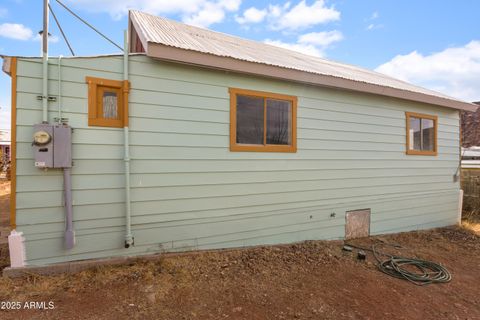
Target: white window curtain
x,y
110,105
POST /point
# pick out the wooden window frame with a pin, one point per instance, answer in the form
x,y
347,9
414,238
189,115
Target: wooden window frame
x,y
96,85
234,146
433,152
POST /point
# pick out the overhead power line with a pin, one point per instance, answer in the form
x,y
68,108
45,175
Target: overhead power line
x,y
61,30
89,25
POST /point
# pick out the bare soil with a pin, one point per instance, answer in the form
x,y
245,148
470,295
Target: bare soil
x,y
310,280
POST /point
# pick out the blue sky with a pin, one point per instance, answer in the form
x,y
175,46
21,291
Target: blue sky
x,y
435,44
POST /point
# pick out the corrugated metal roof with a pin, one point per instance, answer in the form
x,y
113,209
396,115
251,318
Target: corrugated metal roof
x,y
159,30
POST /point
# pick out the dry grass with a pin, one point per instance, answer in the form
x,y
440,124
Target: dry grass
x,y
471,221
33,285
472,226
4,203
4,187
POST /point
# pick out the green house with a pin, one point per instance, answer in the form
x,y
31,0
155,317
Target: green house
x,y
200,140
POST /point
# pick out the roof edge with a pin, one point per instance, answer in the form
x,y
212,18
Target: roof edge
x,y
7,64
136,27
164,52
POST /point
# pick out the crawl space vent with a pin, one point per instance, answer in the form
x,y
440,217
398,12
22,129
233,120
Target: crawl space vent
x,y
357,224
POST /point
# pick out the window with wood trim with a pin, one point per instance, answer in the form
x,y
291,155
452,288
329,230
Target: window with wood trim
x,y
421,134
107,102
262,121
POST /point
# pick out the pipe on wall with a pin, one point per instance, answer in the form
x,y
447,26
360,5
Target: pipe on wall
x,y
67,175
59,120
69,232
45,63
129,241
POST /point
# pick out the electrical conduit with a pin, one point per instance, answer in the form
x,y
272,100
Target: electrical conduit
x,y
45,64
69,233
129,241
67,175
59,120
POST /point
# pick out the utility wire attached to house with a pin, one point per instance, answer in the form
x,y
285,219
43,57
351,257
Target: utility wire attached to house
x,y
89,25
61,30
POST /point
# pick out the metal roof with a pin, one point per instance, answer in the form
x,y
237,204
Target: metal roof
x,y
170,40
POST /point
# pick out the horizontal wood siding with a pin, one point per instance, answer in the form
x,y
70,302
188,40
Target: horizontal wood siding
x,y
190,192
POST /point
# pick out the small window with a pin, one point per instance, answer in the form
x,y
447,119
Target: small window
x,y
106,99
264,122
421,134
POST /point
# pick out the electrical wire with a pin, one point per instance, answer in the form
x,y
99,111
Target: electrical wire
x,y
61,30
427,272
89,25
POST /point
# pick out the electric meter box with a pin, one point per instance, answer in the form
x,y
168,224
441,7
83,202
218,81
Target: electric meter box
x,y
52,146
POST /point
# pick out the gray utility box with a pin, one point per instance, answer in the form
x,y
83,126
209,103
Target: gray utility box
x,y
52,145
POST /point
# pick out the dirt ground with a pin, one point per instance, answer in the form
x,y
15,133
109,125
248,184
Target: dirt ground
x,y
310,280
4,222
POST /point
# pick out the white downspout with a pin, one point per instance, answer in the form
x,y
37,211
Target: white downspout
x,y
129,241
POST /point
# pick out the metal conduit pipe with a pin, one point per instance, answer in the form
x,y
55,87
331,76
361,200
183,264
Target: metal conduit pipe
x,y
129,241
59,120
67,174
45,63
69,232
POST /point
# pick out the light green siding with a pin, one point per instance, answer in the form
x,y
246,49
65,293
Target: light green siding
x,y
190,192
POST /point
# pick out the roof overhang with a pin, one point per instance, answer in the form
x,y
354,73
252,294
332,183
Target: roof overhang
x,y
173,54
7,65
162,39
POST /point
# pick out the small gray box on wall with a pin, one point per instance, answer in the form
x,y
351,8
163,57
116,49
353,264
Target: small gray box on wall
x,y
52,146
62,146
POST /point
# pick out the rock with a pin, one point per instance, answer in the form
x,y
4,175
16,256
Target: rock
x,y
151,297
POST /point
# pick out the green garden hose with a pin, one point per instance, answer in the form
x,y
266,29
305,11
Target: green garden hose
x,y
427,272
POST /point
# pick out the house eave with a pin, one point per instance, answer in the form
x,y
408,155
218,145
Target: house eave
x,y
7,65
178,55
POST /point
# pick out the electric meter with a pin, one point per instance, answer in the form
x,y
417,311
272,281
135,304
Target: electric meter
x,y
41,138
52,145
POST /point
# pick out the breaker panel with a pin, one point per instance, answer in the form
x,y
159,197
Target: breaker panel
x,y
52,145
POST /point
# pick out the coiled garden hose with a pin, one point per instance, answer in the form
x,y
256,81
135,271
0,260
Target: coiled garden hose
x,y
402,268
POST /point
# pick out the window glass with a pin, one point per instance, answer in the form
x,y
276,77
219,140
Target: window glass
x,y
262,121
250,120
110,105
279,127
415,134
428,134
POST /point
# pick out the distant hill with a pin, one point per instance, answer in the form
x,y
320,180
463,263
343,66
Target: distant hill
x,y
470,128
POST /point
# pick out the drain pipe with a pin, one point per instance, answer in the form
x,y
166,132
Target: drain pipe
x,y
129,241
45,63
